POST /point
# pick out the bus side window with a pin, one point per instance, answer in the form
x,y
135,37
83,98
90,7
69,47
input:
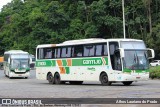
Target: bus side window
x,y
78,51
41,53
58,53
105,50
47,53
98,50
72,52
63,53
68,52
89,50
53,53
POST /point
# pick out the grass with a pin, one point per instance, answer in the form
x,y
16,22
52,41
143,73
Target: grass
x,y
155,72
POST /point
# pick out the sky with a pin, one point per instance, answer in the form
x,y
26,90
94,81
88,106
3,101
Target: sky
x,y
4,2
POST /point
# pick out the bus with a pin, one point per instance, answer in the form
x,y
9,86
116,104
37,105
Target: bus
x,y
32,61
16,64
105,60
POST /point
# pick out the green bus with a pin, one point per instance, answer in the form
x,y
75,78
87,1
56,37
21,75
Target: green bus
x,y
16,64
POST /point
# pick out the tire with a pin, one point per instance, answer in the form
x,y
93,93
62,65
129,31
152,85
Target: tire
x,y
57,78
127,83
104,79
50,78
26,77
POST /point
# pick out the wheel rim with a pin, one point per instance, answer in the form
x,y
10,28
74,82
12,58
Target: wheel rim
x,y
104,79
50,78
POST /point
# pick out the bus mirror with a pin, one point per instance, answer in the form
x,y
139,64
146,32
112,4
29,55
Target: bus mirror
x,y
9,60
151,54
121,52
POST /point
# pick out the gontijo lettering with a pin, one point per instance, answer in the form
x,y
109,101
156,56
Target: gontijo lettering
x,y
92,61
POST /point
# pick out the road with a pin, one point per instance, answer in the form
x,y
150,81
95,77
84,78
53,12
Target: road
x,y
33,88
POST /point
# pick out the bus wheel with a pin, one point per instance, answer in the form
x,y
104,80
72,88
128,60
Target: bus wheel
x,y
104,79
127,83
57,78
50,78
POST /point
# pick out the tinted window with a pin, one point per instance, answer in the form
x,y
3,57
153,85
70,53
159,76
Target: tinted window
x,y
105,49
58,52
89,50
48,53
78,51
101,49
68,52
41,53
63,54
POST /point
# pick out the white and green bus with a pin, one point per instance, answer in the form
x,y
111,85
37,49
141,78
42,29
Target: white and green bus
x,y
104,60
16,64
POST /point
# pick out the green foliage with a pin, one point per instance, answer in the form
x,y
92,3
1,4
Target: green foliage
x,y
24,25
155,72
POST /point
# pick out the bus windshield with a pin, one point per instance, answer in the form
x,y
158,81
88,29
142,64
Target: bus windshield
x,y
20,63
136,60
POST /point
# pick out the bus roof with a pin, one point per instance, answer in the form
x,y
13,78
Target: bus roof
x,y
85,41
15,52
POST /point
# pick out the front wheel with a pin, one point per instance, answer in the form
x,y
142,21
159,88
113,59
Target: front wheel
x,y
127,83
104,79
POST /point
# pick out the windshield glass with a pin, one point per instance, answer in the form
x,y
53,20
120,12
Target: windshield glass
x,y
133,45
136,60
20,63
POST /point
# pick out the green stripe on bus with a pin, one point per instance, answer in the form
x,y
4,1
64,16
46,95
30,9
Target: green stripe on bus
x,y
67,70
136,71
64,62
75,62
45,63
87,62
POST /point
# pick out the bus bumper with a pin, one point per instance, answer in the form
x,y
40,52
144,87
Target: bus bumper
x,y
12,74
132,77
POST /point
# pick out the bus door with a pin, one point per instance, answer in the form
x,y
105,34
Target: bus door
x,y
115,56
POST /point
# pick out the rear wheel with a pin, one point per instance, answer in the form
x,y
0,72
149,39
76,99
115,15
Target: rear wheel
x,y
57,78
104,79
127,83
50,78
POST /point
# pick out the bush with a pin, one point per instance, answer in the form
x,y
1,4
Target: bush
x,y
155,72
